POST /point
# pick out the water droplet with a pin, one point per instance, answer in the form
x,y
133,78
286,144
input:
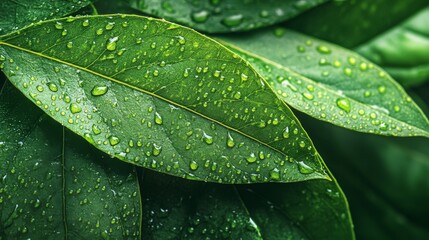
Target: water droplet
x,y
352,61
286,132
363,66
323,49
156,150
264,14
74,108
53,87
110,26
230,141
111,43
99,90
113,140
237,95
302,144
95,129
381,89
158,118
279,32
99,31
193,165
207,138
308,95
396,108
344,104
200,16
347,71
275,174
69,45
244,77
233,20
252,158
85,23
304,168
58,25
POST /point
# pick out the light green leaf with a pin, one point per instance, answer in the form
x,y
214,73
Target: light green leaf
x,y
308,210
56,186
160,96
403,51
175,208
331,83
16,14
215,16
350,23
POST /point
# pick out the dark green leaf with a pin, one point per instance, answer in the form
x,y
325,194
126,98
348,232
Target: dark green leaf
x,y
54,185
216,16
386,184
404,50
175,208
331,83
350,23
16,14
160,96
308,210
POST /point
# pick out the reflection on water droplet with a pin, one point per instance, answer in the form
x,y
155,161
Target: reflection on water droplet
x,y
111,43
207,138
74,108
230,141
252,158
304,168
95,129
158,118
193,165
344,104
156,150
275,174
113,140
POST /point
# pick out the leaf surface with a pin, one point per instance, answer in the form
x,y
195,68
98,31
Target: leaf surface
x,y
160,96
216,16
56,186
403,50
16,14
331,83
175,208
350,23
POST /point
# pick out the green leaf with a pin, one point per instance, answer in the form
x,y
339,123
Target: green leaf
x,y
350,23
16,14
175,208
55,185
160,96
331,83
308,210
217,16
403,51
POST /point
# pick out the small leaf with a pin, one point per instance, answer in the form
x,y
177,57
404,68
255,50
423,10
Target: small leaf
x,y
175,208
55,185
403,51
331,83
350,23
216,16
308,210
16,14
160,96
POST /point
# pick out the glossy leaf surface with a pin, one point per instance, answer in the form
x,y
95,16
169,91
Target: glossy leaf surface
x,y
160,96
215,16
403,51
56,186
350,23
331,83
17,14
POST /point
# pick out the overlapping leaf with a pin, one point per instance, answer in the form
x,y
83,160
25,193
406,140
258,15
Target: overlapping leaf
x,y
403,51
215,16
331,83
17,14
54,185
160,96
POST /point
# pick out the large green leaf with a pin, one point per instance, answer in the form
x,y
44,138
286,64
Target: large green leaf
x,y
331,83
55,186
404,50
216,16
175,208
350,23
309,210
386,184
160,96
16,14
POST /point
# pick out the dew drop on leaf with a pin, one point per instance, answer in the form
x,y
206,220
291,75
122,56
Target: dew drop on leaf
x,y
304,168
344,104
233,20
99,90
200,16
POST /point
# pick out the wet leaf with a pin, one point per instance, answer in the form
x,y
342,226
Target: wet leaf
x,y
331,83
160,96
56,186
350,23
308,210
215,16
16,14
403,51
175,208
